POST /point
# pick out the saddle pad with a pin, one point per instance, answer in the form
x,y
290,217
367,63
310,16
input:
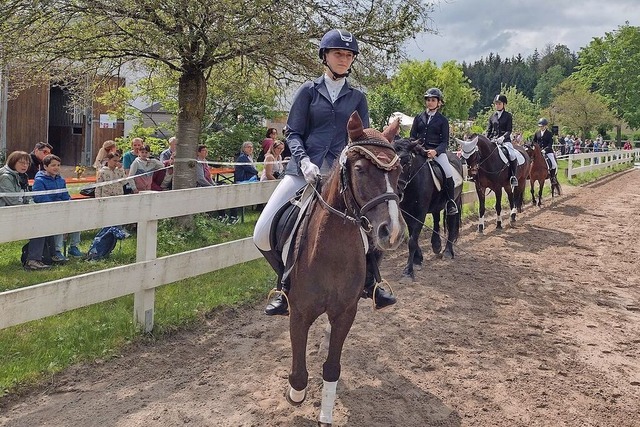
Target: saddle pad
x,y
505,158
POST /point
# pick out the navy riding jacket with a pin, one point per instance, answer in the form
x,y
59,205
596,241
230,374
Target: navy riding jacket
x,y
545,140
435,135
318,127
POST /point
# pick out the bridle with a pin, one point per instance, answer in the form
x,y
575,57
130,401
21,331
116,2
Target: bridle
x,y
357,214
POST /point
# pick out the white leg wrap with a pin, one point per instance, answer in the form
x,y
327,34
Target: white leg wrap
x,y
295,395
499,218
328,400
514,210
481,221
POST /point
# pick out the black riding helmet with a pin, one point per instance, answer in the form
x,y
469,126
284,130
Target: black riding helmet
x,y
338,39
434,92
543,122
500,98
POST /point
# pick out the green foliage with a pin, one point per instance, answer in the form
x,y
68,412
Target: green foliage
x,y
609,65
578,109
157,145
382,103
525,113
543,92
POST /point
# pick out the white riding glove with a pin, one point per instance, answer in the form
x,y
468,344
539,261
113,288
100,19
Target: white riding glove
x,y
310,171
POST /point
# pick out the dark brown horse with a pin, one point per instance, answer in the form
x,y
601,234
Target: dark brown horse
x,y
358,206
488,170
540,173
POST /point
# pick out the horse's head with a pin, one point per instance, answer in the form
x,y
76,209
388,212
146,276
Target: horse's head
x,y
369,171
409,151
470,153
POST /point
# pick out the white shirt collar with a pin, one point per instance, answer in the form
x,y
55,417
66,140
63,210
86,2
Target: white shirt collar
x,y
334,86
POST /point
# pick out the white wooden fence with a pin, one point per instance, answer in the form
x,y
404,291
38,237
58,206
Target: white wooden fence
x,y
598,160
148,272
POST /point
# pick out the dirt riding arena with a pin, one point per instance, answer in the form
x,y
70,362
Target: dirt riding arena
x,y
536,325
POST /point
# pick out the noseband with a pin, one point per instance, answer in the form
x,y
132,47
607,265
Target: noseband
x,y
358,213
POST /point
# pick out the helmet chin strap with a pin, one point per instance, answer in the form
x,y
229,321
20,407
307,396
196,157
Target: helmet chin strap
x,y
336,76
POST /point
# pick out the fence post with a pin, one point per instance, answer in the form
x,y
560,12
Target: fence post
x,y
570,166
146,250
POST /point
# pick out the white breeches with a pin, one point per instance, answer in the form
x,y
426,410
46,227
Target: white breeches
x,y
512,151
552,159
443,161
288,187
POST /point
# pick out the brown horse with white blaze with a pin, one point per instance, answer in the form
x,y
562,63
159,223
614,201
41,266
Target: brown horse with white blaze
x,y
358,207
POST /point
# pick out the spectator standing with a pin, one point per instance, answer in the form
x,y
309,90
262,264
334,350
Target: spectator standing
x,y
273,167
50,179
141,169
40,151
13,179
130,156
171,151
112,171
108,146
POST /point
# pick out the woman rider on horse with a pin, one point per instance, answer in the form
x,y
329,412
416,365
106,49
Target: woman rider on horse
x,y
317,134
501,125
433,129
544,138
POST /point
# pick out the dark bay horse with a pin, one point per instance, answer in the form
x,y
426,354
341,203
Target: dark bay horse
x,y
488,170
358,207
540,172
420,196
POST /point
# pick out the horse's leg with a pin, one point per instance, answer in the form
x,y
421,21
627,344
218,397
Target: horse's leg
x,y
499,209
341,322
511,196
540,188
436,242
481,207
532,184
298,332
414,250
452,226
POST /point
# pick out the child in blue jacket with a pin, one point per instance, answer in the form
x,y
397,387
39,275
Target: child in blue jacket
x,y
50,179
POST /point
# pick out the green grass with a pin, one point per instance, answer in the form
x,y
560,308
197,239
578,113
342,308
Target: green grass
x,y
32,352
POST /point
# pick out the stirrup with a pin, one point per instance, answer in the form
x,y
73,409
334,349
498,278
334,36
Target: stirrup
x,y
451,203
513,181
373,292
275,292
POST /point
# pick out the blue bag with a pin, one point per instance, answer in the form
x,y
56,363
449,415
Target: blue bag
x,y
104,242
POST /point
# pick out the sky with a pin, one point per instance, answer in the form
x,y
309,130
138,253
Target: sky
x,y
471,29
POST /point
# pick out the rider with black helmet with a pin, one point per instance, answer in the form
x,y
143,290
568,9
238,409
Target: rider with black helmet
x,y
317,134
433,129
501,125
544,137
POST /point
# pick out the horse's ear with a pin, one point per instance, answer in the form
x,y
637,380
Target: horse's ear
x,y
392,130
354,127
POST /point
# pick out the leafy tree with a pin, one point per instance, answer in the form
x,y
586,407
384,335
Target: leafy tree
x,y
414,78
382,103
547,81
96,37
609,65
578,110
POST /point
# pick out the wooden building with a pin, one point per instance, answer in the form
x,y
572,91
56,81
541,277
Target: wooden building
x,y
43,114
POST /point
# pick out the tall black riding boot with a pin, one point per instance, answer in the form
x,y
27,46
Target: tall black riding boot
x,y
452,208
513,166
382,297
552,176
278,304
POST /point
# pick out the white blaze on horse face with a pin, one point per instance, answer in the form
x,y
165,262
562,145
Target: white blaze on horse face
x,y
394,213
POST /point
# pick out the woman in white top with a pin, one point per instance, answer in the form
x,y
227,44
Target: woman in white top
x,y
273,167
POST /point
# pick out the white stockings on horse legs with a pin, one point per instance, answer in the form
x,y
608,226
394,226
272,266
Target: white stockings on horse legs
x,y
297,396
328,400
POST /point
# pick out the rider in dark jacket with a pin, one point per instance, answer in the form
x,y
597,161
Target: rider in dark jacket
x,y
501,125
544,137
433,129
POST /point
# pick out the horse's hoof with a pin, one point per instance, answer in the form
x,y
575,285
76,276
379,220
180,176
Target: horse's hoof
x,y
513,217
321,424
447,255
417,267
480,229
499,226
293,402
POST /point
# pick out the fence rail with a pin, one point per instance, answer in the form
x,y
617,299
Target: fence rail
x,y
149,272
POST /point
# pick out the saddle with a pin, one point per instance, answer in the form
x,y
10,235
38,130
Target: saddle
x,y
287,221
437,173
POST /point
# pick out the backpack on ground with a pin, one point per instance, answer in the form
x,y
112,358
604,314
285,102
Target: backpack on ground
x,y
104,242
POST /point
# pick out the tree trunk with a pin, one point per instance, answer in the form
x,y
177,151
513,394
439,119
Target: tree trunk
x,y
192,93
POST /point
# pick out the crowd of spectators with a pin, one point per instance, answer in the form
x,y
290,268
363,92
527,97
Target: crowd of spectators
x,y
118,174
